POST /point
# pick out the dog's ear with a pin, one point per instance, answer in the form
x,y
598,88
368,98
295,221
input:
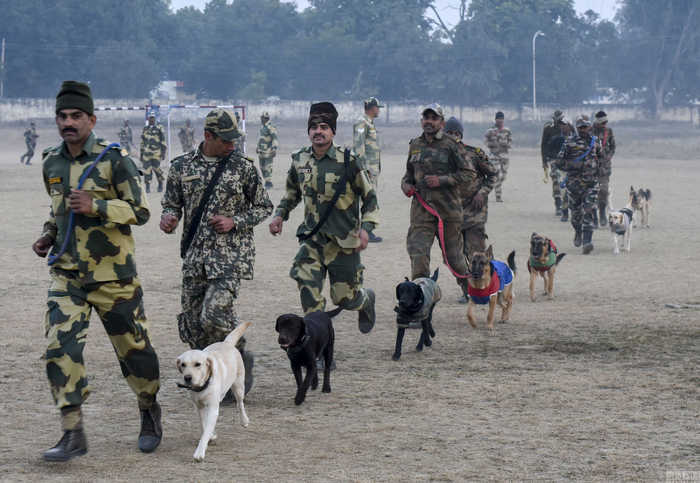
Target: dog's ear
x,y
533,236
277,325
210,364
397,290
177,364
489,252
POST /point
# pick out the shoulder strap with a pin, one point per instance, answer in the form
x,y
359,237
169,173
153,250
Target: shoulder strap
x,y
339,190
590,147
197,217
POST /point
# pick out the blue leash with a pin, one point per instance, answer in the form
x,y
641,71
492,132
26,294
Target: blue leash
x,y
579,158
71,218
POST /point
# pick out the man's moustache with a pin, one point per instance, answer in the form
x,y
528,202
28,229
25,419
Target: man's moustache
x,y
69,129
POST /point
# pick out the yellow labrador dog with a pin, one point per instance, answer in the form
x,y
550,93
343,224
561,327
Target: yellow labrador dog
x,y
209,374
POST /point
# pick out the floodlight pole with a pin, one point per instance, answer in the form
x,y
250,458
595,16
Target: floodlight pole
x,y
534,78
2,69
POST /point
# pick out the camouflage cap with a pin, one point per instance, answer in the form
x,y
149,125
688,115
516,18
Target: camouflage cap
x,y
222,123
583,121
600,117
558,115
372,102
436,108
151,114
265,115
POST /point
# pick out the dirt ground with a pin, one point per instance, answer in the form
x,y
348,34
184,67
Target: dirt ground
x,y
599,384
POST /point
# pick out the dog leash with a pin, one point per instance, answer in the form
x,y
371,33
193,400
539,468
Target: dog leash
x,y
441,233
71,219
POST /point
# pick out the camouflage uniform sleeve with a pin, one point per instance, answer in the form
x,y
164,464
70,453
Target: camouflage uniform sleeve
x,y
358,140
611,143
542,147
409,176
292,196
260,204
131,205
461,174
509,139
370,206
50,228
163,144
143,141
172,201
559,163
487,170
275,141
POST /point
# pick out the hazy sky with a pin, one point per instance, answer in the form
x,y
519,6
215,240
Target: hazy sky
x,y
449,9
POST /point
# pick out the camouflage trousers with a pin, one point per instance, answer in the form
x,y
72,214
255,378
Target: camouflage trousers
x,y
502,163
151,166
474,228
419,242
320,256
603,193
28,155
266,168
558,193
583,198
120,307
208,310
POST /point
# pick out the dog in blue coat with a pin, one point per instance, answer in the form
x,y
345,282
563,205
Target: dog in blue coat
x,y
490,283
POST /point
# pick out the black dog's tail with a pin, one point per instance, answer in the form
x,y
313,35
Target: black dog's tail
x,y
435,274
511,261
559,257
334,312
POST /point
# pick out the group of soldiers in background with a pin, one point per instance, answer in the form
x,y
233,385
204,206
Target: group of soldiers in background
x,y
30,137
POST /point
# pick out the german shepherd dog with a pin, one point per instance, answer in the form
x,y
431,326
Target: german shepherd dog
x,y
491,282
543,261
640,200
414,310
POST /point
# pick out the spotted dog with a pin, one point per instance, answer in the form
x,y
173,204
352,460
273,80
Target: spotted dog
x,y
490,283
640,201
621,222
416,301
543,261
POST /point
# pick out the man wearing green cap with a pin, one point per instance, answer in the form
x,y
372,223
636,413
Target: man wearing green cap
x,y
436,169
331,182
267,147
93,266
153,149
30,137
366,147
217,244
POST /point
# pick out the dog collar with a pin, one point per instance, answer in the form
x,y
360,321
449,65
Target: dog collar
x,y
206,384
302,343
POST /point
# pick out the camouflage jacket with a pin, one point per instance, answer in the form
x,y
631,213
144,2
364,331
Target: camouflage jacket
x,y
186,136
366,144
498,140
267,142
125,135
486,174
447,159
30,137
239,194
607,142
552,136
153,144
570,158
313,181
101,247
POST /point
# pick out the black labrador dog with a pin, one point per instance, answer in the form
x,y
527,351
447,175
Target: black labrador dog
x,y
416,301
305,340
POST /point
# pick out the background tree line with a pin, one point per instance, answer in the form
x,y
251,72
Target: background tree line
x,y
251,49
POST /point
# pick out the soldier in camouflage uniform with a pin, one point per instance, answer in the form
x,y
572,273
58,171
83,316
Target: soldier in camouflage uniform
x,y
366,147
186,136
126,138
222,251
93,266
553,135
153,149
607,142
334,249
475,195
437,168
30,137
239,142
579,158
267,147
499,140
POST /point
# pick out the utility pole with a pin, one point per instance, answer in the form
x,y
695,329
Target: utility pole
x,y
2,69
534,80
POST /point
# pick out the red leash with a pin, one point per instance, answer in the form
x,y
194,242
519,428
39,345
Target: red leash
x,y
441,233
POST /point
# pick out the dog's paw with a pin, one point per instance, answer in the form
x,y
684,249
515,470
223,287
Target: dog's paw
x,y
198,455
326,389
245,421
428,342
213,439
299,398
396,357
419,348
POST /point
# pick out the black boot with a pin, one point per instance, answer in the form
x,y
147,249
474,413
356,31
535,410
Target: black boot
x,y
595,219
160,186
151,429
564,215
148,187
72,444
587,242
577,238
557,206
366,316
602,217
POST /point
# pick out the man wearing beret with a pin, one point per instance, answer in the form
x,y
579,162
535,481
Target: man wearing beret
x,y
499,140
93,266
366,147
436,169
217,247
331,182
153,149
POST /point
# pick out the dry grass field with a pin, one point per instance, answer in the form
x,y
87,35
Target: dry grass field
x,y
602,383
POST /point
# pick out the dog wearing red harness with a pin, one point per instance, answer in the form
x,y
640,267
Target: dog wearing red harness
x,y
543,261
490,283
